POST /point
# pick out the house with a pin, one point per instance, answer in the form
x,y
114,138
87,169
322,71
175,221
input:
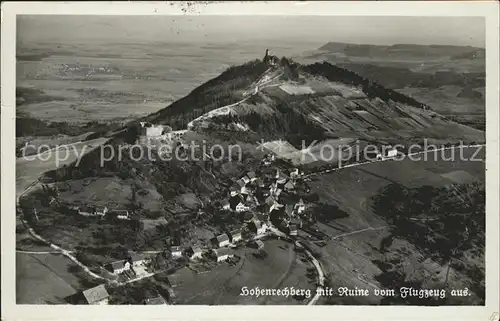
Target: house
x,y
241,207
259,244
248,217
97,295
245,179
222,240
101,210
197,253
225,205
223,254
300,206
289,210
293,230
236,236
120,214
137,259
86,210
251,176
118,267
241,182
176,251
294,172
234,193
245,190
259,182
155,301
270,204
289,185
258,227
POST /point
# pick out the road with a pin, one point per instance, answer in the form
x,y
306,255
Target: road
x,y
226,109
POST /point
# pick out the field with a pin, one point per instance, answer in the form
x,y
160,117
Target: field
x,y
121,79
283,267
348,260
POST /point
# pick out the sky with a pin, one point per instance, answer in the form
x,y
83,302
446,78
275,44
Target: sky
x,y
213,29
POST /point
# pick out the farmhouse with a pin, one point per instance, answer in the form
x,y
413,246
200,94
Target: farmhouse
x,y
222,240
223,254
197,253
236,236
137,259
176,251
96,295
118,267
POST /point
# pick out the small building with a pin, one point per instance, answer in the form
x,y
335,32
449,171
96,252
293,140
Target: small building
x,y
120,214
248,217
225,205
300,206
137,259
241,207
222,240
236,236
251,176
176,251
155,301
86,210
223,254
197,253
101,210
270,204
241,182
293,229
97,295
245,190
259,182
258,227
289,185
245,179
234,193
118,267
260,244
294,172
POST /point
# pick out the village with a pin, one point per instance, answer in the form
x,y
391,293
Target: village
x,y
263,201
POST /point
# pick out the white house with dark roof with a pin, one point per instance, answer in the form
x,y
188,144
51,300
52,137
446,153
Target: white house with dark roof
x,y
118,267
223,254
97,295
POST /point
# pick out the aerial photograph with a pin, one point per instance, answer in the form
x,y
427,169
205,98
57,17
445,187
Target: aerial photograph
x,y
250,160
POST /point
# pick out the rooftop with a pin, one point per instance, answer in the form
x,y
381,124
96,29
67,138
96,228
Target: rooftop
x,y
96,294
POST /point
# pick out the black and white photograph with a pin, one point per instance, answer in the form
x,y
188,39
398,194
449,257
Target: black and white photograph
x,y
265,160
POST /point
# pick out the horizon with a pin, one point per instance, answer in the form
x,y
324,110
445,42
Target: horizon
x,y
371,30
